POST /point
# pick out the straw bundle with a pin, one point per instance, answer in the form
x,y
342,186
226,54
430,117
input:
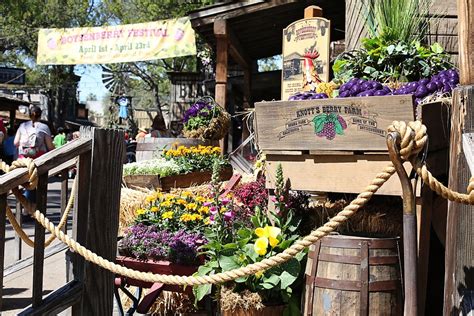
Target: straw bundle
x,y
130,201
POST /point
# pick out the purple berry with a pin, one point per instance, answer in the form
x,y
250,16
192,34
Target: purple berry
x,y
342,121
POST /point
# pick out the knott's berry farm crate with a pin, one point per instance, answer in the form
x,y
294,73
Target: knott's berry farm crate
x,y
332,145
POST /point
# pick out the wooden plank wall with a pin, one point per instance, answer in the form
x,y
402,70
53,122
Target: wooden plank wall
x,y
443,28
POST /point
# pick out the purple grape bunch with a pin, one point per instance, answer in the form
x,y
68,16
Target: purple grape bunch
x,y
329,125
362,88
307,95
442,82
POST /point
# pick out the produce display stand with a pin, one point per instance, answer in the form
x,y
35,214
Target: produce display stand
x,y
347,160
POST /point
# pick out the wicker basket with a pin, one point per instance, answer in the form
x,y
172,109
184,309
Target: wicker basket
x,y
217,128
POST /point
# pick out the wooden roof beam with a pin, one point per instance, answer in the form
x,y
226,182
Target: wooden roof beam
x,y
223,30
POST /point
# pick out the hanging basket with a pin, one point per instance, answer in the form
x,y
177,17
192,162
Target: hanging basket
x,y
217,127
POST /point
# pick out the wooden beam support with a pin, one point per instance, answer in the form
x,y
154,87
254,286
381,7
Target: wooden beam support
x,y
220,32
459,257
466,41
313,11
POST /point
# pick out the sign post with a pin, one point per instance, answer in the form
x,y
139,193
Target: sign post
x,y
305,53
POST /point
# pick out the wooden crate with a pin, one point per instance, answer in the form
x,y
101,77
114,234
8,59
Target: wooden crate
x,y
147,146
290,125
178,181
347,163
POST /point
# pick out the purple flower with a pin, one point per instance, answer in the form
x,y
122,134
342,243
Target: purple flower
x,y
225,201
148,242
213,210
200,108
228,215
207,204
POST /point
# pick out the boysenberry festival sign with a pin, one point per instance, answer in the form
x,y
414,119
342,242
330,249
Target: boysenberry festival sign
x,y
305,55
117,43
357,124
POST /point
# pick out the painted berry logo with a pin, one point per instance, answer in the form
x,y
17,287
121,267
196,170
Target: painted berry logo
x,y
329,125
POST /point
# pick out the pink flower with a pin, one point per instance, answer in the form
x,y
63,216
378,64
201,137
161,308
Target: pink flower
x,y
225,201
207,204
282,198
211,219
228,215
213,210
273,199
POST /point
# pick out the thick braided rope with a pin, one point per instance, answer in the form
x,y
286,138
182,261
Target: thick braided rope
x,y
22,234
24,163
413,139
263,265
442,190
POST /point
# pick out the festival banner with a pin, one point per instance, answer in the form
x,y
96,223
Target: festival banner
x,y
116,44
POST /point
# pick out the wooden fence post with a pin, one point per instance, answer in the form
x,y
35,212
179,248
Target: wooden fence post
x,y
3,212
459,261
80,218
104,205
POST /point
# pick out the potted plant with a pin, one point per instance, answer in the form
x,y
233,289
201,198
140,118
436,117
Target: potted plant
x,y
178,167
236,240
206,120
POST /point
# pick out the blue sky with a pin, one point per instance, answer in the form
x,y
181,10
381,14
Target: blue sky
x,y
91,81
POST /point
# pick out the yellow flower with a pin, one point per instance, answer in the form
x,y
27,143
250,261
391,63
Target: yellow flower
x,y
261,245
196,217
269,232
223,209
201,199
140,212
181,202
150,198
259,274
154,209
203,210
191,206
186,194
186,217
165,204
168,215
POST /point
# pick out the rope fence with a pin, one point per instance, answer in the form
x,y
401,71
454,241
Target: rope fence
x,y
412,142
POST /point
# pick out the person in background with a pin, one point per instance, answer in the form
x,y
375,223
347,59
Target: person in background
x,y
9,150
33,139
3,136
60,138
158,128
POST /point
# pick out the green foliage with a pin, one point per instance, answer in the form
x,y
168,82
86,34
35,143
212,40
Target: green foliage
x,y
238,245
160,167
383,61
397,20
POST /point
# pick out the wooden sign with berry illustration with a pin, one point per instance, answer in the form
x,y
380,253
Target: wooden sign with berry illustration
x,y
349,124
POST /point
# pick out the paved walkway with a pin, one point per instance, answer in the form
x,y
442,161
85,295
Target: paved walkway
x,y
17,285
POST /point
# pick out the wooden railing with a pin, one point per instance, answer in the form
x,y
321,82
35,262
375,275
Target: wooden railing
x,y
98,155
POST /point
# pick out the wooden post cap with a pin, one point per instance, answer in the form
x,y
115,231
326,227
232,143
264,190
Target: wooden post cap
x,y
313,11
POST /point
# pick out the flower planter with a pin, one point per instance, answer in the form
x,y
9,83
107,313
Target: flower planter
x,y
160,267
274,310
177,181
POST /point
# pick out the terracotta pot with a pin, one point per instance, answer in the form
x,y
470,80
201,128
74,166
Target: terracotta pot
x,y
275,310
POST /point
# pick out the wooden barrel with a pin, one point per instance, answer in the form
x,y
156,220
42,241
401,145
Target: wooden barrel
x,y
348,275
